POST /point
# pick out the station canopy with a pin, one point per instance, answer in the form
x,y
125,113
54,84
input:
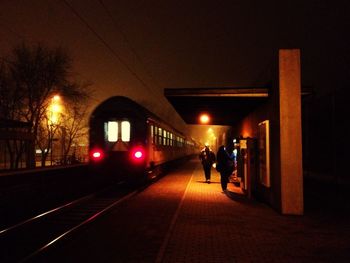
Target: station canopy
x,y
225,106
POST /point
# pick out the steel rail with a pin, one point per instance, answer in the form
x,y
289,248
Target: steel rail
x,y
73,229
47,213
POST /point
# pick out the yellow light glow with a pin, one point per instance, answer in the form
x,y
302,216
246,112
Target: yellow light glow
x,y
54,110
54,119
56,98
204,118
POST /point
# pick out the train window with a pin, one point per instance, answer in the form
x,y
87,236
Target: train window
x,y
164,137
160,132
105,131
112,131
125,131
152,138
155,139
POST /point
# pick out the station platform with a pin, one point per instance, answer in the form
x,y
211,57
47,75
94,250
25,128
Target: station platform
x,y
181,218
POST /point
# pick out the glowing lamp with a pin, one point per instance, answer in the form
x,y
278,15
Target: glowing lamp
x,y
137,154
56,98
96,155
204,118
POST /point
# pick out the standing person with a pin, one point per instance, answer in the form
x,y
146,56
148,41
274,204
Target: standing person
x,y
225,164
207,157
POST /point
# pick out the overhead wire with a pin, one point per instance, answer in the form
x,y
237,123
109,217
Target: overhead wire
x,y
130,46
109,48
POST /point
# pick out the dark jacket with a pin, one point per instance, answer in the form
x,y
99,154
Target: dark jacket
x,y
225,163
207,157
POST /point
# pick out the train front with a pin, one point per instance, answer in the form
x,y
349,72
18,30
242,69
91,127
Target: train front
x,y
117,144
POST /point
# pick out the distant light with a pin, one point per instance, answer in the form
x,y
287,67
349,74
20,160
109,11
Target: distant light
x,y
235,152
56,98
204,118
55,108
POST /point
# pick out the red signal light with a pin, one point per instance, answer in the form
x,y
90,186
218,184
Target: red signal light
x,y
96,155
138,154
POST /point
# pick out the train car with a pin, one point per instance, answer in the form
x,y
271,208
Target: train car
x,y
128,142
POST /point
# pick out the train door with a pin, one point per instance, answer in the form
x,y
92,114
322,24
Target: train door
x,y
246,164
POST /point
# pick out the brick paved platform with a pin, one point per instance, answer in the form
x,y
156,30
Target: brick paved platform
x,y
183,219
215,227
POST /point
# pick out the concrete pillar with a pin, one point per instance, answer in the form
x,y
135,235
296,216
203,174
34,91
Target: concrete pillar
x,y
292,201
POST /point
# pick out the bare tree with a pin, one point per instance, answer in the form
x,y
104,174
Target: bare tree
x,y
45,136
9,110
32,76
74,119
75,128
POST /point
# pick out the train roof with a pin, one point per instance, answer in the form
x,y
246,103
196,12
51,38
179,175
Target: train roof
x,y
116,102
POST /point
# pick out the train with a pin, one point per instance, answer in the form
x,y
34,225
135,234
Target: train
x,y
130,143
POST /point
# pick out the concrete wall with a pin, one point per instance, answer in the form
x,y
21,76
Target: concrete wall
x,y
290,132
283,110
248,128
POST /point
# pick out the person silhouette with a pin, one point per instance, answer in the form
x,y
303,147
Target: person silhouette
x,y
207,157
225,164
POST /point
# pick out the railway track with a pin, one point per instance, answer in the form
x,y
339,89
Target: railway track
x,y
26,240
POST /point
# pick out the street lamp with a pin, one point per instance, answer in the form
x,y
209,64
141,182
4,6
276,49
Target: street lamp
x,y
54,114
54,110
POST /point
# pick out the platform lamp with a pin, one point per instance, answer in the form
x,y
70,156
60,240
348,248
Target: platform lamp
x,y
204,118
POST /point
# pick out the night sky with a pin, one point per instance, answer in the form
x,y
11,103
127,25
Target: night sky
x,y
138,48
